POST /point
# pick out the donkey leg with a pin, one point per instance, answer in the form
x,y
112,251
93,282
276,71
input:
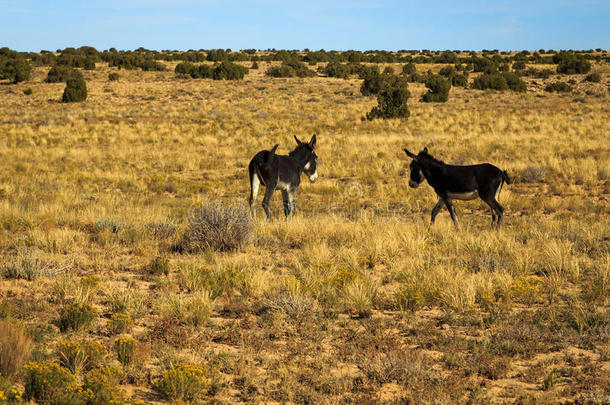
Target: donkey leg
x,y
286,201
291,202
254,184
436,210
449,203
499,211
268,194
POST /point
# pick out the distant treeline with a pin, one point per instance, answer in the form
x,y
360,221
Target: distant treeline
x,y
16,66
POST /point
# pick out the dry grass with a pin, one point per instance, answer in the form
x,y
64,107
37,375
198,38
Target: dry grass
x,y
356,299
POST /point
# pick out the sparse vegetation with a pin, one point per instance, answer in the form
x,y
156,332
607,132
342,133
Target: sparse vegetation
x,y
356,299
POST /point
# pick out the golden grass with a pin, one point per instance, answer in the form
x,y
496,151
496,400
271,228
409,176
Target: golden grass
x,y
318,309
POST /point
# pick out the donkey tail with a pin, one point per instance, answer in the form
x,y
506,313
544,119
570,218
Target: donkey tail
x,y
505,177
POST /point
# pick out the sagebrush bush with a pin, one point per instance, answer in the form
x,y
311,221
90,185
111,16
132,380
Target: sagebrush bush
x,y
76,316
15,348
186,382
217,226
75,91
558,87
438,89
48,383
593,78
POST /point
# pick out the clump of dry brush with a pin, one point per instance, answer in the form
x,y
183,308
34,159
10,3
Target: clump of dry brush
x,y
213,225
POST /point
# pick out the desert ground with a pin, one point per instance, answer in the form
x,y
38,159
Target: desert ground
x,y
356,299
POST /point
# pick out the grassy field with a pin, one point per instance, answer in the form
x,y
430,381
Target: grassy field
x,y
356,300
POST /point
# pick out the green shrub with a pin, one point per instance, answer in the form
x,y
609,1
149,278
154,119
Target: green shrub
x,y
514,81
336,69
391,102
254,65
89,64
558,87
76,316
292,68
28,91
409,69
228,71
493,81
47,382
16,70
438,89
61,73
519,66
75,91
593,78
570,63
113,76
185,382
539,74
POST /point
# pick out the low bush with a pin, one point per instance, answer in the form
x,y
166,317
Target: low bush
x,y
102,386
493,81
158,266
81,356
61,73
228,71
558,87
569,63
75,91
113,76
76,317
119,323
48,383
593,78
184,382
217,226
124,348
336,69
291,68
15,348
438,89
28,91
514,82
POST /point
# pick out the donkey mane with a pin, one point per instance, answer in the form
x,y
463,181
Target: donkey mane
x,y
432,158
299,149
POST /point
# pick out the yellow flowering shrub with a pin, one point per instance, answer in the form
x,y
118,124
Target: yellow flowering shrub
x,y
186,382
119,323
124,347
80,356
527,289
46,382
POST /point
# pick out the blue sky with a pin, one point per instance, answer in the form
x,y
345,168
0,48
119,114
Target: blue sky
x,y
32,25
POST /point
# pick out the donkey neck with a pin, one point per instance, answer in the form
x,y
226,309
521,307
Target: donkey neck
x,y
430,167
300,158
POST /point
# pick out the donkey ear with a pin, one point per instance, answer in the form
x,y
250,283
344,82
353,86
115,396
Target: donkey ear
x,y
411,155
426,149
312,143
272,151
297,139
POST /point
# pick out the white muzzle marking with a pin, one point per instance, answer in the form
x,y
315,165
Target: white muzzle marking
x,y
313,177
413,184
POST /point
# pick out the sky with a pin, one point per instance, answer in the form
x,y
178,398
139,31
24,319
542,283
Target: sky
x,y
33,25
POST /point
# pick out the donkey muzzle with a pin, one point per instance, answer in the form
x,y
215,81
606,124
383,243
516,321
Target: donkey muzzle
x,y
413,184
313,177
